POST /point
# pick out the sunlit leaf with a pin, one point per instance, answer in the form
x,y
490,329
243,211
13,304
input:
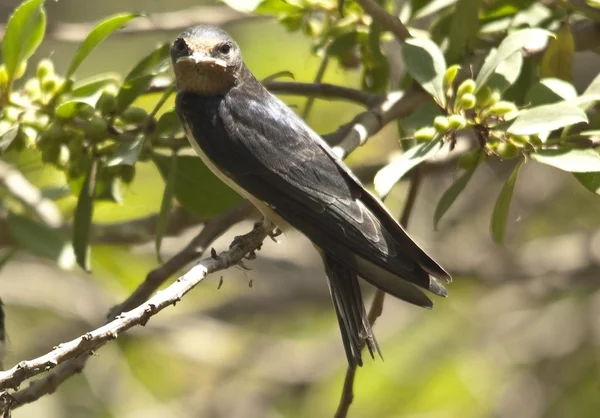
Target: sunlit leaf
x,y
546,118
82,223
557,60
276,7
511,44
572,160
127,152
24,33
71,108
100,32
502,206
432,7
426,64
90,86
244,6
452,193
507,72
550,90
389,175
165,206
196,187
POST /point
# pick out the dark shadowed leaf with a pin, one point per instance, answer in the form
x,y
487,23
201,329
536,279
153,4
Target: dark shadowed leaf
x,y
572,160
547,118
502,206
590,181
82,222
35,237
168,124
511,44
24,33
550,90
131,90
452,193
127,152
196,187
165,206
389,175
100,32
423,116
463,29
426,64
557,60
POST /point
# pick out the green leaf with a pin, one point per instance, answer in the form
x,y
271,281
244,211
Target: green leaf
x,y
276,7
463,29
82,223
196,187
546,118
422,116
426,64
90,86
99,33
165,206
513,43
127,152
507,72
550,90
389,175
70,108
108,187
244,6
502,206
36,237
431,7
24,33
572,160
590,181
8,137
452,193
131,90
557,60
168,124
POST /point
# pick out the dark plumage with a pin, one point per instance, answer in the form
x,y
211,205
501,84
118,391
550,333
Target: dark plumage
x,y
263,150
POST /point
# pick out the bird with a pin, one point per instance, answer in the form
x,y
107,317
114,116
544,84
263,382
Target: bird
x,y
260,148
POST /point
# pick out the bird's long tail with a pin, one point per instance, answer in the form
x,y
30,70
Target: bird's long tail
x,y
350,310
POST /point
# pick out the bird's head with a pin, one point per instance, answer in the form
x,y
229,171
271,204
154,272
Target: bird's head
x,y
206,61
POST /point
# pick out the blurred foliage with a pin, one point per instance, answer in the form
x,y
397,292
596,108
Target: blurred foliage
x,y
108,147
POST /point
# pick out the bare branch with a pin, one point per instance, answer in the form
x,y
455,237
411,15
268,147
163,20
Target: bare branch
x,y
29,195
377,305
194,250
169,21
386,20
138,316
323,91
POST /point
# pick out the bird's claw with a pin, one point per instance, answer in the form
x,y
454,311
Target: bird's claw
x,y
274,234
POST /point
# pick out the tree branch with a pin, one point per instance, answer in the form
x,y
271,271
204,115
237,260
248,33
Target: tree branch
x,y
386,20
139,316
168,21
377,305
323,91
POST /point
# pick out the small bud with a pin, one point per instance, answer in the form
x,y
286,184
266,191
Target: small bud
x,y
50,83
63,156
467,101
32,88
522,140
111,89
97,127
507,151
134,115
50,152
502,108
535,141
29,135
11,113
425,134
468,159
483,97
450,75
457,122
44,68
467,86
441,124
106,103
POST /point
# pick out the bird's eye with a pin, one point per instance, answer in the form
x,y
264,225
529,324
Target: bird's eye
x,y
180,45
224,49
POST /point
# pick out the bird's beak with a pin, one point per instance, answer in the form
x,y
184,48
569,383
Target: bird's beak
x,y
203,59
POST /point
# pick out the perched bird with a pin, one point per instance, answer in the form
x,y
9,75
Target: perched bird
x,y
260,148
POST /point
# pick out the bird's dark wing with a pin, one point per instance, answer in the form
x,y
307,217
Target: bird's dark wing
x,y
271,153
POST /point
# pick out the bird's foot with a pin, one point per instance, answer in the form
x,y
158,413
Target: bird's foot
x,y
274,234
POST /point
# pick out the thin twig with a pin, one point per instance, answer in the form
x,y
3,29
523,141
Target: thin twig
x,y
386,20
377,305
138,316
323,91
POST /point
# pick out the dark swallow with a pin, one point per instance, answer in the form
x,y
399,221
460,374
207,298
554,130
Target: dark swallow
x,y
259,147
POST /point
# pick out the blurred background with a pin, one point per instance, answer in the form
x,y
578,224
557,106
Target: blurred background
x,y
518,336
